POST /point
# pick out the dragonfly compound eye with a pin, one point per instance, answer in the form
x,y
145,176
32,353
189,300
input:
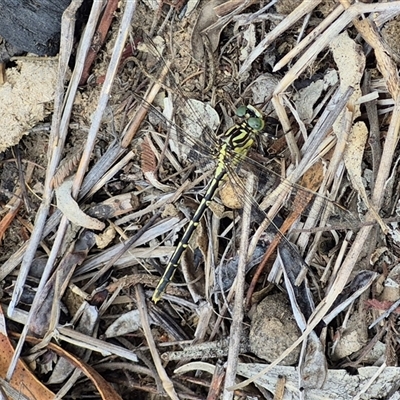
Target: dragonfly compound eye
x,y
241,111
255,123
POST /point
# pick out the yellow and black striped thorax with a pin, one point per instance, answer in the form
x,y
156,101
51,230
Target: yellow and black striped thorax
x,y
236,141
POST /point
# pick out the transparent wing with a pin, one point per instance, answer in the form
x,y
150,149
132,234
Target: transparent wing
x,y
196,131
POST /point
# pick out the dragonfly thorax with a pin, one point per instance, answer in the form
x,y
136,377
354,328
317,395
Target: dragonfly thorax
x,y
237,141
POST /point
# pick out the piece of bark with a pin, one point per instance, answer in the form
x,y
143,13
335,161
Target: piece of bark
x,y
32,26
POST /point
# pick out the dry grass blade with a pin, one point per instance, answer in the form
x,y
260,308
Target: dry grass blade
x,y
238,310
166,382
66,168
304,8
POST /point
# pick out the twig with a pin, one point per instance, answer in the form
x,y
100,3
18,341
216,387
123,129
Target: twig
x,y
144,108
99,38
144,317
238,312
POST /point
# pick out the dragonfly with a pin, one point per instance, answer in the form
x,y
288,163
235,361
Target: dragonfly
x,y
230,151
234,145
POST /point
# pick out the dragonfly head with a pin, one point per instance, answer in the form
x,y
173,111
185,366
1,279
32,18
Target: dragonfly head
x,y
252,116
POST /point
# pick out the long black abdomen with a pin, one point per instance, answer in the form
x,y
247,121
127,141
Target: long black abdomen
x,y
183,244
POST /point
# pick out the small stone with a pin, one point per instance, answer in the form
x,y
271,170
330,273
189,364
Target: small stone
x,y
274,329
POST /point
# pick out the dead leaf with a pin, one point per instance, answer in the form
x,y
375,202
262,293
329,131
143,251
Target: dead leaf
x,y
70,208
149,165
23,380
231,196
114,206
353,158
106,237
104,388
207,18
127,323
350,61
307,98
313,177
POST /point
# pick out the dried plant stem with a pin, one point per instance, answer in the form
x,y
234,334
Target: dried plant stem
x,y
238,311
144,317
67,29
144,108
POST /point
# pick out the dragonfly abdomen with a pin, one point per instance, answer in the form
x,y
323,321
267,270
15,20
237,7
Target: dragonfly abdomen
x,y
184,242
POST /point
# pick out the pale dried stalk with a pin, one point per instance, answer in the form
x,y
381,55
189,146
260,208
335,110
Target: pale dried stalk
x,y
104,95
238,312
144,107
57,138
144,318
314,34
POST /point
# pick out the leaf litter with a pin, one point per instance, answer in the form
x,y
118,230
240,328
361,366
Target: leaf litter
x,y
96,288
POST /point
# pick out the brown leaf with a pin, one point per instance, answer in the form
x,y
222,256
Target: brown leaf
x,y
148,159
23,380
207,18
105,389
149,165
